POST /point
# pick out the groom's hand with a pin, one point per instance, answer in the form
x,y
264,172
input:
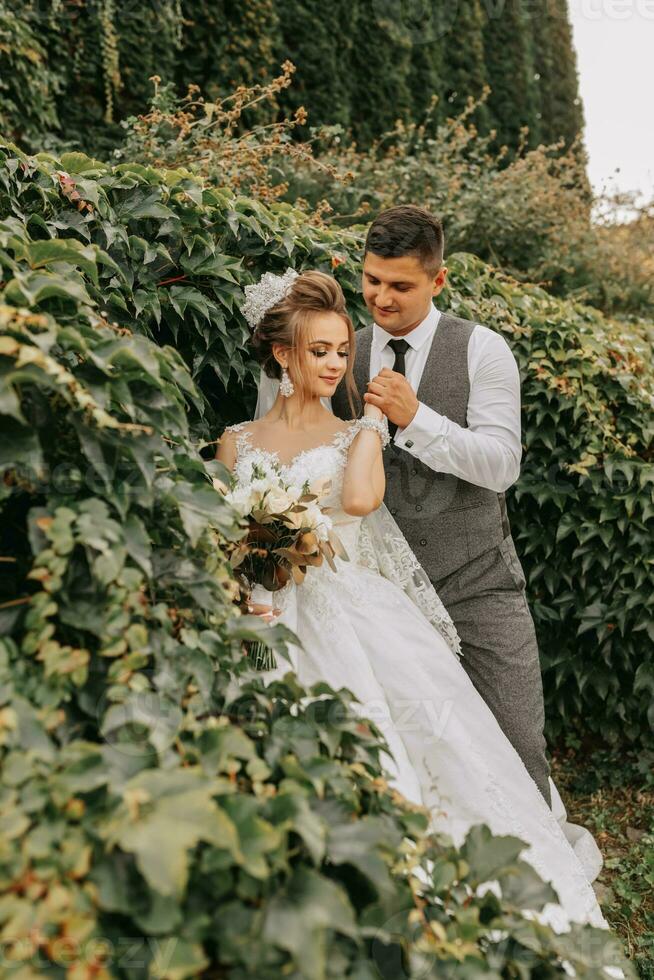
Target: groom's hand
x,y
392,393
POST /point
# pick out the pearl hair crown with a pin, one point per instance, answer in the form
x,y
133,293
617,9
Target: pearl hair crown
x,y
263,295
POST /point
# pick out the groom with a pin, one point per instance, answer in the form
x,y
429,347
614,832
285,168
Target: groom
x,y
451,391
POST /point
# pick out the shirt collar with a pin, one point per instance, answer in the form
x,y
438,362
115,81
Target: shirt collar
x,y
417,338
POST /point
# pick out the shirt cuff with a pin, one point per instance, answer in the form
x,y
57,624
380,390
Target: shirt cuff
x,y
420,433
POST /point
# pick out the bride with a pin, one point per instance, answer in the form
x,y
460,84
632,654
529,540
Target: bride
x,y
376,626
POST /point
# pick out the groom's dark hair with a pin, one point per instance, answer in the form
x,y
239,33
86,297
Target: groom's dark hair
x,y
407,230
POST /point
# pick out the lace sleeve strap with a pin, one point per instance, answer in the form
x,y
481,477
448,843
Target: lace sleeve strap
x,y
241,435
380,426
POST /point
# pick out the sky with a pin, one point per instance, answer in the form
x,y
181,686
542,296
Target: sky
x,y
615,58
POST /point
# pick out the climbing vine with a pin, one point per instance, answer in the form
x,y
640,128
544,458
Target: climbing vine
x,y
110,56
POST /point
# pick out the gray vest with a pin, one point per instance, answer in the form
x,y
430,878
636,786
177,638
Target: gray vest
x,y
446,520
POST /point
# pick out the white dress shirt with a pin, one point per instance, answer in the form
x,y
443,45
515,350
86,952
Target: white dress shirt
x,y
488,452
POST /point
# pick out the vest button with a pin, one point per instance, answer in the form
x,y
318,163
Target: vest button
x,y
423,541
418,507
393,511
414,472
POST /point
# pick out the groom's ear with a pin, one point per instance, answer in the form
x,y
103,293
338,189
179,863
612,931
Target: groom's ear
x,y
440,280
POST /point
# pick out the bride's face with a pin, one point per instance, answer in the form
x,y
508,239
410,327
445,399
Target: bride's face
x,y
322,360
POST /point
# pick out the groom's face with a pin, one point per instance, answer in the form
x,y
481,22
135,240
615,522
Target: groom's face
x,y
398,292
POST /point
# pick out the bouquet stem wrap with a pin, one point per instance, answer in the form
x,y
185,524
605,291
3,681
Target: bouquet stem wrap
x,y
260,655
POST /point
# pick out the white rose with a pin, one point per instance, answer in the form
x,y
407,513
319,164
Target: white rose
x,y
294,492
260,486
313,515
241,500
278,501
297,520
258,490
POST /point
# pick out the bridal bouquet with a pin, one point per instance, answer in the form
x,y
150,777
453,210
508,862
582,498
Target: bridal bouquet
x,y
287,532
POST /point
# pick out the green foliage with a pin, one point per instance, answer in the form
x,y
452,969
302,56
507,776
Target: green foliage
x,y
78,69
28,86
513,100
583,508
529,213
226,44
612,794
157,801
221,142
426,76
81,42
148,41
380,68
466,72
556,68
582,512
308,31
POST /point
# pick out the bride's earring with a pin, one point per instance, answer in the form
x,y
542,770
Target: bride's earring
x,y
286,385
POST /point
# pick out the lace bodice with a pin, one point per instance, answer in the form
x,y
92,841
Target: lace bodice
x,y
326,460
374,542
319,462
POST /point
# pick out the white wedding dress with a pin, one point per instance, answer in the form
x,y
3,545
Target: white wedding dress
x,y
360,631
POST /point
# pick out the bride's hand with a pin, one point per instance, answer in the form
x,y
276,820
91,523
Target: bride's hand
x,y
267,613
372,412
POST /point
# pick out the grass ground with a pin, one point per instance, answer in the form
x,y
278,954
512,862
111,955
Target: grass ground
x,y
612,794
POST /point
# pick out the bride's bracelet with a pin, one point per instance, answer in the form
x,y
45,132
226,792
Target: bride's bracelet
x,y
377,425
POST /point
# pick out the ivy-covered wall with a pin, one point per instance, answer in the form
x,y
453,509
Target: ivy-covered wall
x,y
76,69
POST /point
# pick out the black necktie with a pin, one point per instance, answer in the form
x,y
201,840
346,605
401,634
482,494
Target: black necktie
x,y
400,347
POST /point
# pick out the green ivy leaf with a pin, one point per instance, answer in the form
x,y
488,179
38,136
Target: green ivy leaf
x,y
163,815
300,916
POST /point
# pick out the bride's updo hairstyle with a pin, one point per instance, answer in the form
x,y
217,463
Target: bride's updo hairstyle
x,y
289,324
